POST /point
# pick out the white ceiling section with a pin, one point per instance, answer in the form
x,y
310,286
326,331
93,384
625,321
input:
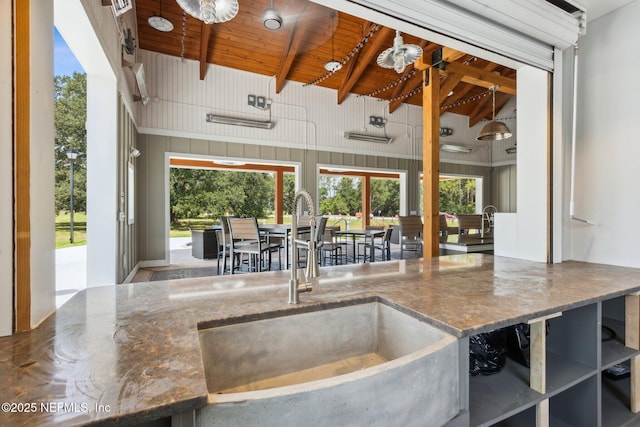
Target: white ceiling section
x,y
598,8
523,30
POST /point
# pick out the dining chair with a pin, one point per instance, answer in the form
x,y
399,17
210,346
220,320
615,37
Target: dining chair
x,y
410,234
444,229
384,246
470,224
332,246
321,223
246,240
224,242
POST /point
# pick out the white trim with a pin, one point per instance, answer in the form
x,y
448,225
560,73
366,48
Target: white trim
x,y
132,274
154,263
6,170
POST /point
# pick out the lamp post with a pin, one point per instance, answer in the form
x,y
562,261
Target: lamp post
x,y
71,155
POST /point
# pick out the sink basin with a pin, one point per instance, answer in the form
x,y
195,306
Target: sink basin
x,y
363,363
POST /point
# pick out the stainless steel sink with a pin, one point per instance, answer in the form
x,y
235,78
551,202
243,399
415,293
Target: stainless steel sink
x,y
364,361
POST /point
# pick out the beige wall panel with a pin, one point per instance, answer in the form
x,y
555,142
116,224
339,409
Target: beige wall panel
x,y
217,148
235,150
180,145
252,151
198,146
267,152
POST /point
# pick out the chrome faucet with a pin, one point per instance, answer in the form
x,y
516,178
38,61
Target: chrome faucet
x,y
312,270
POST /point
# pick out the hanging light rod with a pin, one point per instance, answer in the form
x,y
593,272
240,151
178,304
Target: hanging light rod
x,y
225,120
369,138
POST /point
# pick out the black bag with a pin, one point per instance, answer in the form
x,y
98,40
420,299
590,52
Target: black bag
x,y
486,353
518,344
519,341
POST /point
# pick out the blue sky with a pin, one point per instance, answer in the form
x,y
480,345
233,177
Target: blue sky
x,y
64,62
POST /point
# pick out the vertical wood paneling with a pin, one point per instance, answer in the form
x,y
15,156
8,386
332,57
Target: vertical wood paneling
x,y
22,176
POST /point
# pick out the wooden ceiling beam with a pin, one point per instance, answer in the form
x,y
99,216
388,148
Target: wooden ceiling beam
x,y
348,70
414,82
461,93
482,108
450,82
291,48
487,112
364,59
479,77
205,36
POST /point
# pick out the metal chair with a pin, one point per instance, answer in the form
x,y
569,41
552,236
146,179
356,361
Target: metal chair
x,y
384,247
410,235
246,240
224,240
332,247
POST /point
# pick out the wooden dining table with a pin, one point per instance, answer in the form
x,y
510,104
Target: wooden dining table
x,y
282,231
369,237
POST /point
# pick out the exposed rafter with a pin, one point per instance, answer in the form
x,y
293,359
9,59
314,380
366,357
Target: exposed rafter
x,y
294,40
205,36
481,78
371,51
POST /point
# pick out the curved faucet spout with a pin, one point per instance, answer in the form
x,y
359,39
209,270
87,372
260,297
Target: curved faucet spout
x,y
312,269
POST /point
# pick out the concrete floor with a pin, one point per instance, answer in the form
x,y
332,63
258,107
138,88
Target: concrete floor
x,y
181,259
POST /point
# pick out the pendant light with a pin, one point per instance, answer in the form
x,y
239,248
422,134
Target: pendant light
x,y
160,23
271,18
333,65
400,55
494,130
210,11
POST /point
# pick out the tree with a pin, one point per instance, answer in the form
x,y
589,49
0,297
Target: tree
x,y
458,196
385,197
70,109
340,195
213,193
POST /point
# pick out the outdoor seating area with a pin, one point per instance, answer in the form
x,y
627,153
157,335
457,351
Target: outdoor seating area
x,y
244,245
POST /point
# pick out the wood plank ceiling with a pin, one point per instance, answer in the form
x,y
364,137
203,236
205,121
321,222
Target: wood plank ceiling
x,y
299,50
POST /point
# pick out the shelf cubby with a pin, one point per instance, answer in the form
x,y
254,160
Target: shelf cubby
x,y
571,376
616,397
577,405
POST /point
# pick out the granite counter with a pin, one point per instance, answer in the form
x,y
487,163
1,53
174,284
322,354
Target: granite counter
x,y
130,353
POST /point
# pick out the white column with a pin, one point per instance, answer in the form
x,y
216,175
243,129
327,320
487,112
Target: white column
x,y
42,159
524,234
102,191
6,171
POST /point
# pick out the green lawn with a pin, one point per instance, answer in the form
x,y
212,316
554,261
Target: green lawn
x,y
180,229
63,229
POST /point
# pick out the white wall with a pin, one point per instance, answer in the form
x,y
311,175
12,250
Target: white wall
x,y
6,171
42,131
524,234
607,151
90,31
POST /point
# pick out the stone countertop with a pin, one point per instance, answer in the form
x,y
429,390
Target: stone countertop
x,y
130,353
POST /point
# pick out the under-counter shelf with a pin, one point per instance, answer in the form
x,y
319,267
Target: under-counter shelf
x,y
616,395
495,397
613,350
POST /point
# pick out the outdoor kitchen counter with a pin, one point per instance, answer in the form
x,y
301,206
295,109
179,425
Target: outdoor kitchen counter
x,y
130,353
